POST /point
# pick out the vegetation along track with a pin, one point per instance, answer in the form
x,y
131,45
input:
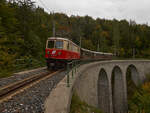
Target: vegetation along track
x,y
8,91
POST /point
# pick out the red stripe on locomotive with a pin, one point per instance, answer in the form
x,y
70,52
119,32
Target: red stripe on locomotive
x,y
61,54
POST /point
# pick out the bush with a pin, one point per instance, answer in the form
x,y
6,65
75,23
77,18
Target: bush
x,y
78,106
140,102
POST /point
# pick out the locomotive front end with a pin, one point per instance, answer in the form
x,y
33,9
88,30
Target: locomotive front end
x,y
54,53
59,51
54,49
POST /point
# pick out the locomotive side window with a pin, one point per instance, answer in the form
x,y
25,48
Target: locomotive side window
x,y
50,44
66,45
75,49
70,46
59,44
78,50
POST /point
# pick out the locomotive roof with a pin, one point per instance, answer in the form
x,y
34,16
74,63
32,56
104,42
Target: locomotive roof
x,y
60,38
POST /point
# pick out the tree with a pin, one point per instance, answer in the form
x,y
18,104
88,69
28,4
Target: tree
x,y
116,37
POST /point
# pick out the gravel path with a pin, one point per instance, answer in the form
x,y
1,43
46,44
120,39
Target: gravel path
x,y
32,100
20,76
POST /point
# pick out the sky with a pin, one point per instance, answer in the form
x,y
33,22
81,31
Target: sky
x,y
137,10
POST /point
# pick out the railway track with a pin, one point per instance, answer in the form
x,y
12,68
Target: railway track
x,y
9,91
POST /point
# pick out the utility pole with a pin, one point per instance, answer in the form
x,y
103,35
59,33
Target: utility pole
x,y
53,28
53,23
98,46
133,52
116,37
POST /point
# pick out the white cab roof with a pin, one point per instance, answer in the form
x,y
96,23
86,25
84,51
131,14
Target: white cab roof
x,y
59,38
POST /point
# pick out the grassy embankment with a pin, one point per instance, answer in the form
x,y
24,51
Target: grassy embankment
x,y
21,65
78,106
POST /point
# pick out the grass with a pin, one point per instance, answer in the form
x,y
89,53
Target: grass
x,y
78,106
9,70
5,73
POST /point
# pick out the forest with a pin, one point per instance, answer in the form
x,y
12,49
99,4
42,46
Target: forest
x,y
25,27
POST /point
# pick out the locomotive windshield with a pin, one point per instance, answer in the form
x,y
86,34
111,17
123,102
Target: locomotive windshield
x,y
59,44
50,44
55,44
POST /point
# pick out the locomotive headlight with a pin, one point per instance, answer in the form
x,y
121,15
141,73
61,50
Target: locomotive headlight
x,y
59,53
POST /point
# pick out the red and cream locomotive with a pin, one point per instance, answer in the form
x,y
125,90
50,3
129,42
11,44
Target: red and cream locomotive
x,y
59,51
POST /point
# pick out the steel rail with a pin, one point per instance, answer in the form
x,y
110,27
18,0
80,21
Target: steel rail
x,y
14,87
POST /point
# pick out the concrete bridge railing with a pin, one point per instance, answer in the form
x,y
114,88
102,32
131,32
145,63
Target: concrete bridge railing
x,y
101,84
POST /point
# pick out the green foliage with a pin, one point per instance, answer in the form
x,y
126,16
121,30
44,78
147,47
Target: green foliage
x,y
140,101
78,106
87,44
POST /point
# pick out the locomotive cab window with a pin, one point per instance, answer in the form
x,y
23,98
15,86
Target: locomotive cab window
x,y
59,44
50,44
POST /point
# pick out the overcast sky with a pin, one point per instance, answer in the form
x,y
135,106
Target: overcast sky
x,y
138,10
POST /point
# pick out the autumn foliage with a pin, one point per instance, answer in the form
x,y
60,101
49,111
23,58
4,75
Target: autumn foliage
x,y
24,29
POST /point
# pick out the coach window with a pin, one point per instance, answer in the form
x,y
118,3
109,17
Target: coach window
x,y
59,44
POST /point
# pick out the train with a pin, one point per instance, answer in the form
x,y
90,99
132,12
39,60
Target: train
x,y
59,51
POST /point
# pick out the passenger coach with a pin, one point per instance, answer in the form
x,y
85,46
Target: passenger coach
x,y
59,51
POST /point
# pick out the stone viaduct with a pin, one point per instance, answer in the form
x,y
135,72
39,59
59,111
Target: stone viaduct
x,y
101,84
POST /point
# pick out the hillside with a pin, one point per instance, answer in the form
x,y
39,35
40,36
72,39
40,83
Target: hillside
x,y
25,28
